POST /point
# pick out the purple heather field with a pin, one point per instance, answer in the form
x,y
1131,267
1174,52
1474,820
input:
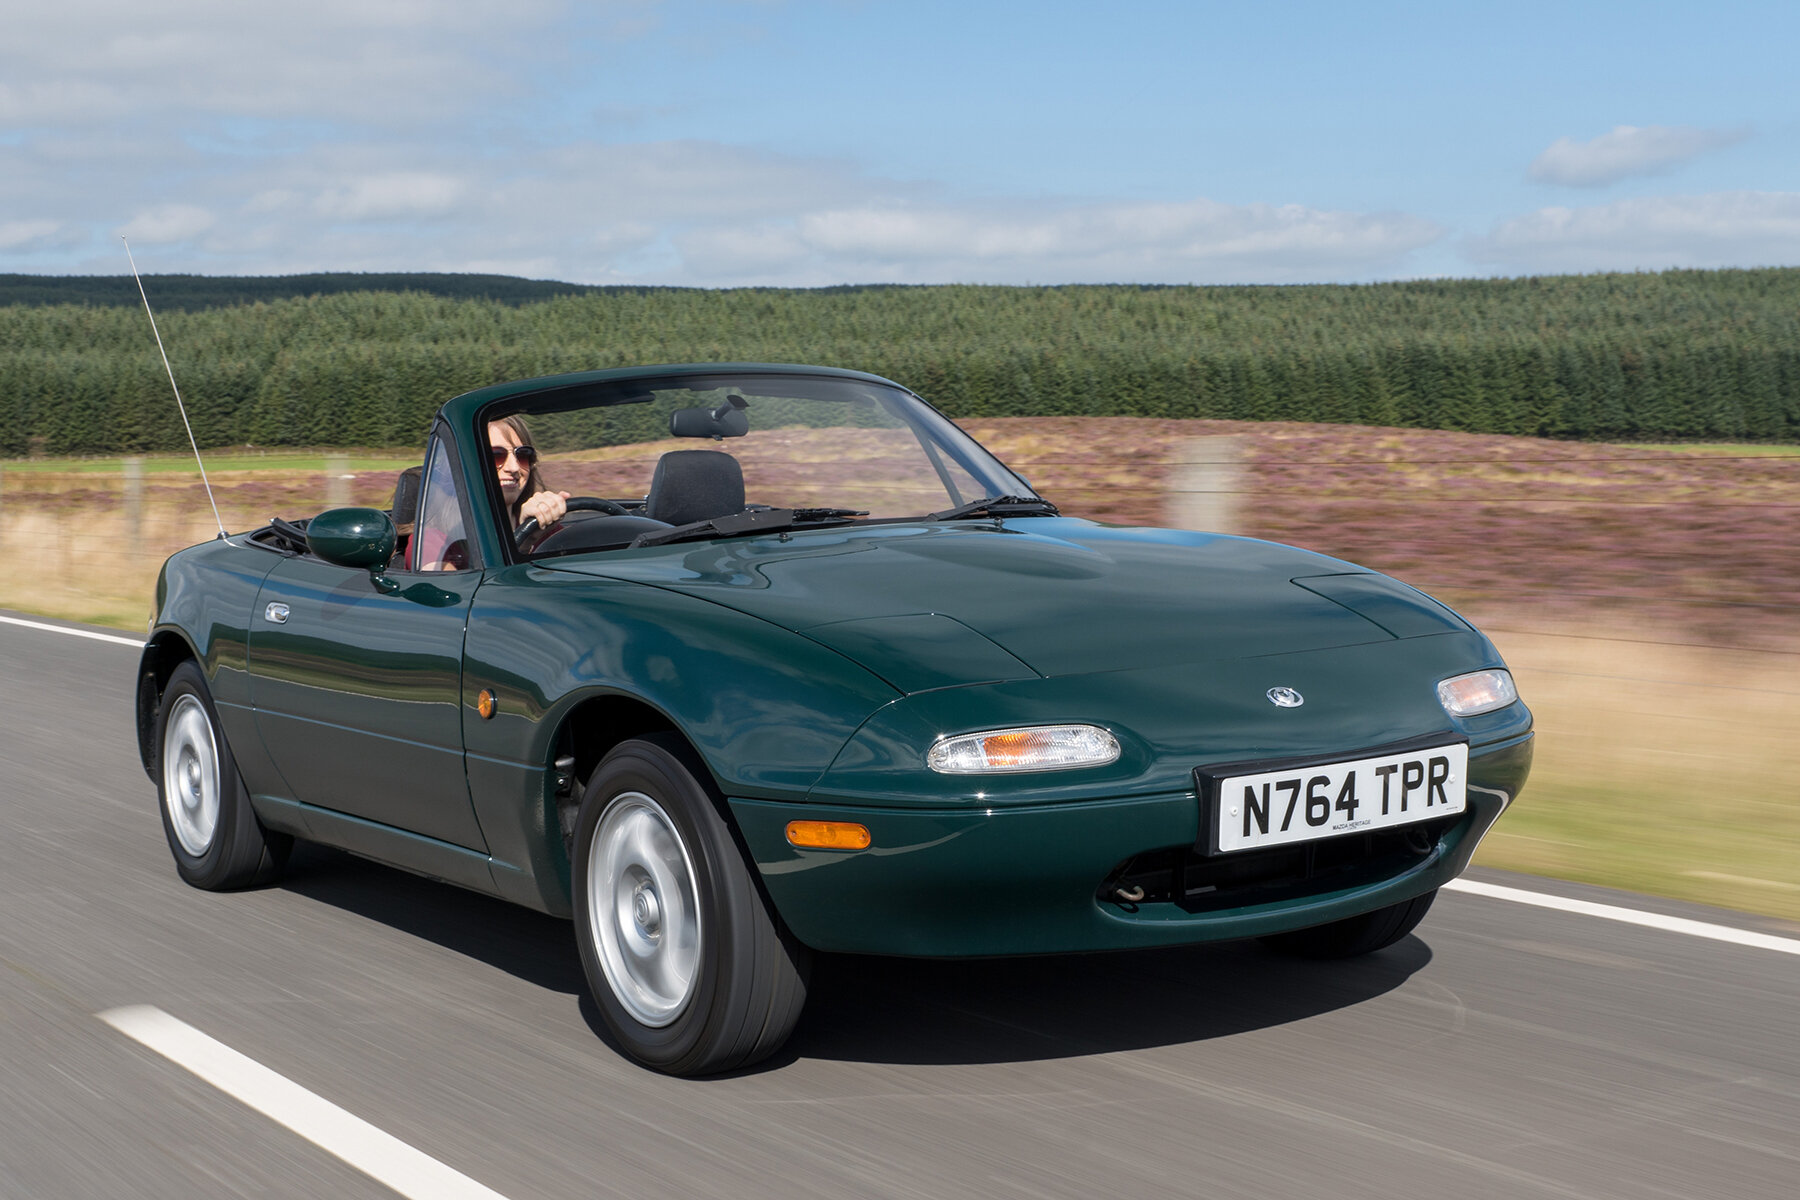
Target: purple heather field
x,y
1683,544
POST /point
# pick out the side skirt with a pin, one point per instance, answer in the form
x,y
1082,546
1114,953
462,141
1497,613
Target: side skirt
x,y
434,859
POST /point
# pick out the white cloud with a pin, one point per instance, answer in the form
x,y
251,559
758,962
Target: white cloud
x,y
384,62
1627,151
1722,229
25,236
395,195
168,223
667,182
415,135
686,212
524,268
1198,241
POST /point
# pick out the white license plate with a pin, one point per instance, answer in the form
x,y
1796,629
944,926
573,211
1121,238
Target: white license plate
x,y
1301,804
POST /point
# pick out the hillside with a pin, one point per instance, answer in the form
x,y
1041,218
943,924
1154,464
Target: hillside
x,y
1682,354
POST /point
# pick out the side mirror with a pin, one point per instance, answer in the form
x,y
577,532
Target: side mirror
x,y
361,538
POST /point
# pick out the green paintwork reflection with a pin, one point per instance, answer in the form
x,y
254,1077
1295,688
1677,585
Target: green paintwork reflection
x,y
1060,595
919,652
1023,880
358,696
204,597
1171,719
1402,611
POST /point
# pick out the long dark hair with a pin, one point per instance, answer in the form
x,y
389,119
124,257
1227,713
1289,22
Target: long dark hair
x,y
534,482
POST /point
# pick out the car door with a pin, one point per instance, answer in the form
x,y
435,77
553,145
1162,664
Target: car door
x,y
358,689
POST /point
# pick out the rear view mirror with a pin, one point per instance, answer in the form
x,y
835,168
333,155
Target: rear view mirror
x,y
727,420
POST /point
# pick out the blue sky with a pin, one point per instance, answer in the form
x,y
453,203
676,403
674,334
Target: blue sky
x,y
809,142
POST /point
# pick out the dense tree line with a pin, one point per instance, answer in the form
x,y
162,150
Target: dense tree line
x,y
193,293
1682,354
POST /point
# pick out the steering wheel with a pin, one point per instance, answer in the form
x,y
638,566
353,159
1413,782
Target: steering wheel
x,y
529,525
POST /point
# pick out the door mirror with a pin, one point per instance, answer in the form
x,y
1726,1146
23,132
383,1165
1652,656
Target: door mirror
x,y
362,538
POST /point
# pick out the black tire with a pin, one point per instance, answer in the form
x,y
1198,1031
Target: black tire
x,y
218,843
692,971
1355,935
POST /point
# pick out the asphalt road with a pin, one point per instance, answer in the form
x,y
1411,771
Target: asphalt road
x,y
1502,1051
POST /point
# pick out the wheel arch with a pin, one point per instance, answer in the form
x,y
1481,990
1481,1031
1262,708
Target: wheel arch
x,y
597,724
165,651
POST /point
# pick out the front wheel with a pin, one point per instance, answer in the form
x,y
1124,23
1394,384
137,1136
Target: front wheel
x,y
1352,936
213,833
692,971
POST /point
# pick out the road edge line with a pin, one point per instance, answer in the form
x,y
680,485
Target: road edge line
x,y
373,1151
1629,916
84,633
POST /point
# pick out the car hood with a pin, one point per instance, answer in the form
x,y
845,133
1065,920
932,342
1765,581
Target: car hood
x,y
929,606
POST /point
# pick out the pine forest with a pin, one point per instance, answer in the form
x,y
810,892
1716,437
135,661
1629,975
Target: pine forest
x,y
366,360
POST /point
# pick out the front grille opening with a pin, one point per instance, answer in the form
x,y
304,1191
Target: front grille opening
x,y
1197,883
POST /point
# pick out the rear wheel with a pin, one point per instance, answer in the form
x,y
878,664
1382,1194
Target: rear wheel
x,y
1355,935
213,833
692,971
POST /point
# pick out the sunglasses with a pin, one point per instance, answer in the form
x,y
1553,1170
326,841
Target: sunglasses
x,y
527,455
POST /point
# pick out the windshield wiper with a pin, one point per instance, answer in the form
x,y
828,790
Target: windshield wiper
x,y
997,506
762,520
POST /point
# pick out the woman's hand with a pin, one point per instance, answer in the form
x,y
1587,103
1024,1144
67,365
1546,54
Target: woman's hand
x,y
547,507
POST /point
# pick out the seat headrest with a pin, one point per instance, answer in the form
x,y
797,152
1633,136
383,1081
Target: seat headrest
x,y
405,512
695,485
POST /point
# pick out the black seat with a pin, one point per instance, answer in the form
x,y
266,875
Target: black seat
x,y
695,485
405,513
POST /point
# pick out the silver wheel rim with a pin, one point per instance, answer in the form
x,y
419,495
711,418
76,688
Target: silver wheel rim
x,y
642,909
190,763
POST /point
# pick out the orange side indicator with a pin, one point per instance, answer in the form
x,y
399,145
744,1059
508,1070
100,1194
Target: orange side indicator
x,y
828,835
1010,749
484,704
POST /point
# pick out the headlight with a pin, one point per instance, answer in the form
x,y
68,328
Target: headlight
x,y
1477,692
1040,748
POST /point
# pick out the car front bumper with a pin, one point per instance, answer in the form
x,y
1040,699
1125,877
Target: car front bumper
x,y
1042,879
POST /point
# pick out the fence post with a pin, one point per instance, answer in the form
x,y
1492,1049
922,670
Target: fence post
x,y
337,480
134,500
1207,485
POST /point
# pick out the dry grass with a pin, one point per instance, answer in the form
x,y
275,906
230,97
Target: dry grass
x,y
72,545
1659,768
1648,598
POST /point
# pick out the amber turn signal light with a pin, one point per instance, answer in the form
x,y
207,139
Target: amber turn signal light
x,y
484,704
828,835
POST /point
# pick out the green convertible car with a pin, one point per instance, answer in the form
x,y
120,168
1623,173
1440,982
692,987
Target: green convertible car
x,y
736,663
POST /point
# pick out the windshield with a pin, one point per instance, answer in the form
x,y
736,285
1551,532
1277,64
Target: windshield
x,y
641,458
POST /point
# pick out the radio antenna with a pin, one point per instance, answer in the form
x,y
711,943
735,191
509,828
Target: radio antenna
x,y
206,483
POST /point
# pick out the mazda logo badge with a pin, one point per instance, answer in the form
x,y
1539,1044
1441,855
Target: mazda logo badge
x,y
1285,697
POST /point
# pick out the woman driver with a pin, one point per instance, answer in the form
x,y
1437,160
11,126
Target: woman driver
x,y
515,462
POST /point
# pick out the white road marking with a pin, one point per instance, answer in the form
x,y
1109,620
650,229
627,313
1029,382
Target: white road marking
x,y
1629,916
1606,912
374,1152
83,633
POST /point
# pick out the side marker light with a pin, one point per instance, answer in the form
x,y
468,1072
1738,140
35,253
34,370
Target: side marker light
x,y
828,835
